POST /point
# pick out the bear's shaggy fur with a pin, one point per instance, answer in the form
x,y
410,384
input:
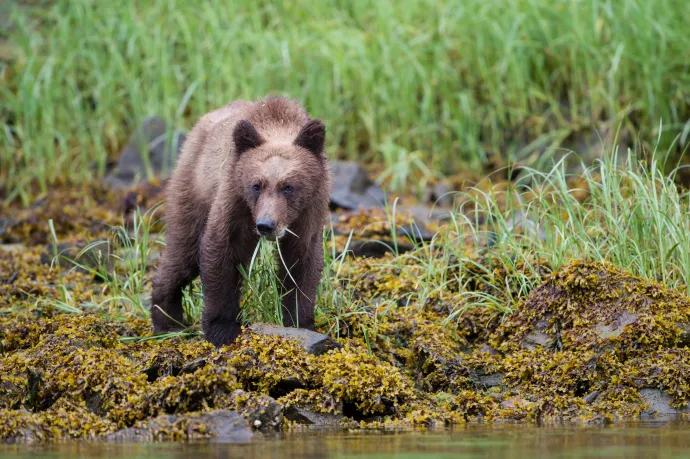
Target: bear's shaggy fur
x,y
247,170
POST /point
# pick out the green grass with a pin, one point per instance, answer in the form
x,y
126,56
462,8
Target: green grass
x,y
450,82
635,217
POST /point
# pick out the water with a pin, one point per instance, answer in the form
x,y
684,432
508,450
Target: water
x,y
640,440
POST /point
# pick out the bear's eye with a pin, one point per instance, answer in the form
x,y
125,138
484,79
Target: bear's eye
x,y
288,189
256,188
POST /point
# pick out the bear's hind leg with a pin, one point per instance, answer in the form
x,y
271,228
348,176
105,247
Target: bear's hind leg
x,y
178,267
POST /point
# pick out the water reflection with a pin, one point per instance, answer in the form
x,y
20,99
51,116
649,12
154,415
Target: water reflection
x,y
640,440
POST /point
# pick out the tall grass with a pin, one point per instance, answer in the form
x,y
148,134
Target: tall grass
x,y
451,81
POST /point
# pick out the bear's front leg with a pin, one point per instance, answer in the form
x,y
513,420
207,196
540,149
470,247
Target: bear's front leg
x,y
221,252
300,273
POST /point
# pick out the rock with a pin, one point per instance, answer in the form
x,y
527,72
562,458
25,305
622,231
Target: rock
x,y
491,380
519,221
598,306
17,247
162,153
660,402
488,349
5,225
304,415
616,327
538,337
684,337
373,248
352,188
159,369
515,402
591,397
439,194
314,343
222,426
262,412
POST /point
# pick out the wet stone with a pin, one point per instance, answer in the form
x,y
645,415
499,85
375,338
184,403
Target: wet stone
x,y
616,327
304,415
314,343
660,402
222,426
352,188
491,380
536,339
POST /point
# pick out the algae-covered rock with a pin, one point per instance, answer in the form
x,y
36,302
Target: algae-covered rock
x,y
356,377
593,305
314,343
268,364
62,420
262,411
222,426
306,415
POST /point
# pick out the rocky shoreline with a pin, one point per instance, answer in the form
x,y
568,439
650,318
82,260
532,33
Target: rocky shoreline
x,y
591,343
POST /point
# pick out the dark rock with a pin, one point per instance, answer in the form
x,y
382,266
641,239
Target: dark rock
x,y
373,248
5,226
192,366
161,369
152,136
352,188
314,343
223,426
304,415
262,412
660,402
684,338
591,143
439,194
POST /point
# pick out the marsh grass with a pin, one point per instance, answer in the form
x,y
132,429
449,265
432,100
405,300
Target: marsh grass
x,y
508,238
450,82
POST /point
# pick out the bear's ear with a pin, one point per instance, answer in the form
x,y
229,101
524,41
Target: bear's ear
x,y
245,137
312,137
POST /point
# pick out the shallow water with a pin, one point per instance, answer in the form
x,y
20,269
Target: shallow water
x,y
640,440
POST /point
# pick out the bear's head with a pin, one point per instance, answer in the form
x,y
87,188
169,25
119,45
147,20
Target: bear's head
x,y
279,180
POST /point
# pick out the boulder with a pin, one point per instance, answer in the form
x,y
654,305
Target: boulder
x,y
660,402
352,188
314,343
149,150
305,415
222,426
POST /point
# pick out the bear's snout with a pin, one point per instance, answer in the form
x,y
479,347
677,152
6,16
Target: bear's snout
x,y
265,227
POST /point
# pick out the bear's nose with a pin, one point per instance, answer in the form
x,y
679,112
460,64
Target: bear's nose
x,y
265,227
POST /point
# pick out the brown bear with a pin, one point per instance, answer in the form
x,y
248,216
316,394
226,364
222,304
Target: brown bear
x,y
247,170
